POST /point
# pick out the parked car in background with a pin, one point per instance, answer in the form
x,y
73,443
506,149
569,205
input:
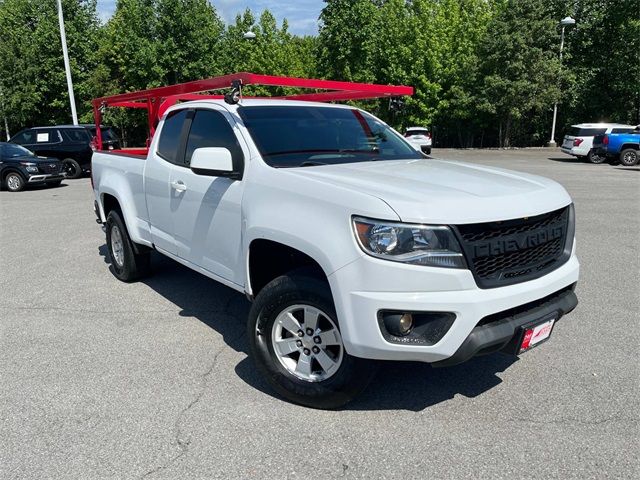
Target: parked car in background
x,y
419,138
579,141
110,139
70,144
19,167
622,147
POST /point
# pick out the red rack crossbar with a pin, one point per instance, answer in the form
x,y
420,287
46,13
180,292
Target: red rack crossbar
x,y
158,100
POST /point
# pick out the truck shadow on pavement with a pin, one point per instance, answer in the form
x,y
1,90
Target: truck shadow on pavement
x,y
411,386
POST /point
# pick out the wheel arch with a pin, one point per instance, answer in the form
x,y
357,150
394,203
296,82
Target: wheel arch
x,y
633,146
268,259
11,169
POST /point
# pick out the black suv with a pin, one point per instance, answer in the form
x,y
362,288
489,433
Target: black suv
x,y
70,144
19,167
110,140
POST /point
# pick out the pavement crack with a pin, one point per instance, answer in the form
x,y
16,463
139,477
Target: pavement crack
x,y
178,437
574,421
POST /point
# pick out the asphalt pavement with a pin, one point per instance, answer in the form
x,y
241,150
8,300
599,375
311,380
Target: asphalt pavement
x,y
101,379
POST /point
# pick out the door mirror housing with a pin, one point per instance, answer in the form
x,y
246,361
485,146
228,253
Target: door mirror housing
x,y
213,162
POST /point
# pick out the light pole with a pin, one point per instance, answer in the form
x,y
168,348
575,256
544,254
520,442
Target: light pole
x,y
563,23
4,114
67,68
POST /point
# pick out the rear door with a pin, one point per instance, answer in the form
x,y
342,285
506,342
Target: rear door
x,y
207,211
45,142
159,193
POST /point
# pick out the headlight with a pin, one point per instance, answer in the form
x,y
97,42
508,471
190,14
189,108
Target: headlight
x,y
429,245
30,167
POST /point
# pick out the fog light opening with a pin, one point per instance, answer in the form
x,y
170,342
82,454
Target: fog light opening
x,y
398,324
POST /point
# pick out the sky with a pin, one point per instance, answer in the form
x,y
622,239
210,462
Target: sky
x,y
302,15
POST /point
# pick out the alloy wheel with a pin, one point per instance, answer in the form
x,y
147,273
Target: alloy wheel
x,y
307,343
13,182
117,246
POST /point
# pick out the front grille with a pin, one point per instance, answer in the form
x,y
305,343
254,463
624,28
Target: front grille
x,y
48,168
513,251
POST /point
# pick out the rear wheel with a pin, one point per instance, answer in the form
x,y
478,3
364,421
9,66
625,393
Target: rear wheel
x,y
71,168
14,182
126,264
629,157
296,343
593,157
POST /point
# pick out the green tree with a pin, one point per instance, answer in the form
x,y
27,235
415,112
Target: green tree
x,y
347,38
519,68
188,33
33,78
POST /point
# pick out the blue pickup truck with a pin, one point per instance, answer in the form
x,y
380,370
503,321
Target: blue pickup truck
x,y
623,147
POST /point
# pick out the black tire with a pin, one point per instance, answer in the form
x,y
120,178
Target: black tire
x,y
14,182
71,168
126,264
593,157
629,157
289,291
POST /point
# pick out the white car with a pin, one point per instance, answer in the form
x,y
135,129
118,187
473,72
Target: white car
x,y
579,141
352,246
420,138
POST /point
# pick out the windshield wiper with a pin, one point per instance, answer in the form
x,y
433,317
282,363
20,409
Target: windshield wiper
x,y
311,163
332,150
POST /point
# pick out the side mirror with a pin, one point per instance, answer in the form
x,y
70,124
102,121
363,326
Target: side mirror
x,y
213,162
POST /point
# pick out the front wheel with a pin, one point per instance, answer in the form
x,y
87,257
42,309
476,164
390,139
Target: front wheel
x,y
126,264
629,157
14,182
296,344
593,157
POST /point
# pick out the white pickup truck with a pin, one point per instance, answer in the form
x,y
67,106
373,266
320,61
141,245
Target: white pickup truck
x,y
351,244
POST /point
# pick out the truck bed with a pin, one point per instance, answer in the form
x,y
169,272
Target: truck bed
x,y
121,173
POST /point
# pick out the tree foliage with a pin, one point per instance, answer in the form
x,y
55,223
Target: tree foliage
x,y
486,72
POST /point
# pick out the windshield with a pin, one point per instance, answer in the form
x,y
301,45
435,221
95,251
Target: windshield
x,y
289,136
9,150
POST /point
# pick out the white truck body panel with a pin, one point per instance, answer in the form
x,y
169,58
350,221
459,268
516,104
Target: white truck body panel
x,y
209,226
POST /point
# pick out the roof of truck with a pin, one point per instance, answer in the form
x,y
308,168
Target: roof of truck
x,y
263,102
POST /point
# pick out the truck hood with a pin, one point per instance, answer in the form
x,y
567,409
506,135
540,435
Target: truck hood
x,y
445,192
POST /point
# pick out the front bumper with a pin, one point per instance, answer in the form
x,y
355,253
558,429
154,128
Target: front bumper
x,y
359,298
500,332
601,151
49,177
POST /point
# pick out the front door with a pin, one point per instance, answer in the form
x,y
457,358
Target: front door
x,y
207,213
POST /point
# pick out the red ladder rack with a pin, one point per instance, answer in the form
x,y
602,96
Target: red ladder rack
x,y
157,100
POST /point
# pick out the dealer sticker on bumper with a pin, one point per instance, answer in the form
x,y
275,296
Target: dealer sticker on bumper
x,y
536,334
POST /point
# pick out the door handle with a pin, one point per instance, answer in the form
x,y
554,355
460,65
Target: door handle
x,y
178,186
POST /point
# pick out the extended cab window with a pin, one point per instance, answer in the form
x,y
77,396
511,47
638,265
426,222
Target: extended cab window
x,y
310,135
169,143
210,129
